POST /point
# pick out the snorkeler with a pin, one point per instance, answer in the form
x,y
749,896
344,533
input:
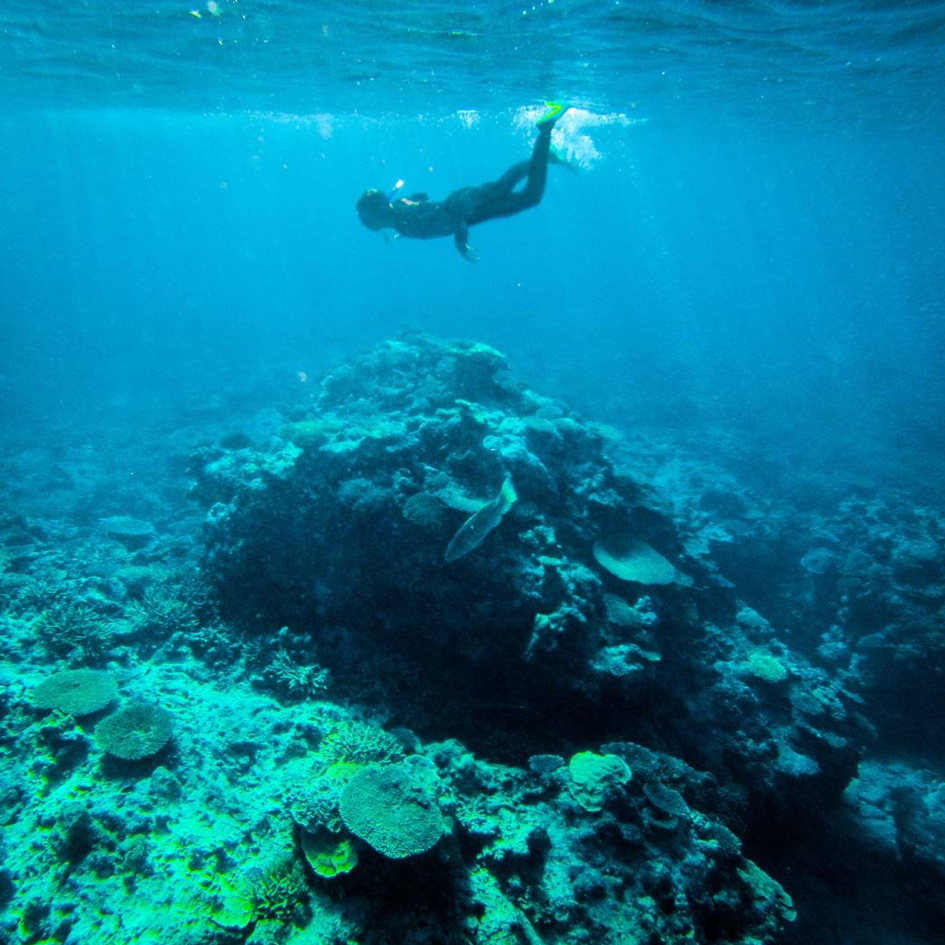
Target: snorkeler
x,y
420,217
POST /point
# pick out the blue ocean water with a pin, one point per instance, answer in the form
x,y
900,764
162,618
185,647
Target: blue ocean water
x,y
760,219
743,278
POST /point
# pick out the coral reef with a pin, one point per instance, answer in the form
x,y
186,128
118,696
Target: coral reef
x,y
616,716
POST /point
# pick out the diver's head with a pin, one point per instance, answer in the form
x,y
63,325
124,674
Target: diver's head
x,y
374,210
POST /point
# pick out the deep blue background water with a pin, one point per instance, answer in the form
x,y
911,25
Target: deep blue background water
x,y
759,247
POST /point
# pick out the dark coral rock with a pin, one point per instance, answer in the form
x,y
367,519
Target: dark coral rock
x,y
543,765
348,527
7,887
77,837
66,747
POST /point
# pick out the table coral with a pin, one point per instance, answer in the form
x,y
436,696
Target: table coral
x,y
135,731
76,691
387,807
594,776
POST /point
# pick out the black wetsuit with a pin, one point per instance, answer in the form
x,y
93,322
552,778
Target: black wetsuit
x,y
423,218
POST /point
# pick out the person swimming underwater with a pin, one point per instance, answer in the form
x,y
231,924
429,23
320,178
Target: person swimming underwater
x,y
418,216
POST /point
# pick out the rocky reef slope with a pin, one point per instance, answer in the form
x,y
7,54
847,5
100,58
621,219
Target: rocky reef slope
x,y
443,663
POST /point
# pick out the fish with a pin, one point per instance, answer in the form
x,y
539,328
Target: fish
x,y
472,532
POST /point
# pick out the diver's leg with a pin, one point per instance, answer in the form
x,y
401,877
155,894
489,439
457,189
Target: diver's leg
x,y
534,188
502,200
475,203
511,178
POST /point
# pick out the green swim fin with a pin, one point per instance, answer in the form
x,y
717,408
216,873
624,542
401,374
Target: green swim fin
x,y
555,111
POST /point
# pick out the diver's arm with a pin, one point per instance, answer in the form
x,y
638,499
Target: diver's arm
x,y
465,250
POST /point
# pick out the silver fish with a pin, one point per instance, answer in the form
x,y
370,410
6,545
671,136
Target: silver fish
x,y
472,532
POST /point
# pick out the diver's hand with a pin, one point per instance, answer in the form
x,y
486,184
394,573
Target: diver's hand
x,y
460,238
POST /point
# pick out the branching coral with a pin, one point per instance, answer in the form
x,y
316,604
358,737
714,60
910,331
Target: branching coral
x,y
295,680
74,631
280,892
39,593
216,644
359,742
162,612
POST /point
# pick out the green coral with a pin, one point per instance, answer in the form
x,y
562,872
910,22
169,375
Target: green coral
x,y
328,856
389,808
765,666
769,905
594,776
359,742
136,731
76,691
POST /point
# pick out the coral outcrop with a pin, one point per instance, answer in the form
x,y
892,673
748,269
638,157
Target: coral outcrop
x,y
580,617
